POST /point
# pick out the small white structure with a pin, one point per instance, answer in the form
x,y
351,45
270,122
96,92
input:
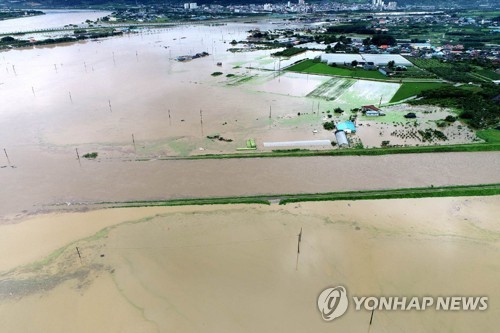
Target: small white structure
x,y
304,143
372,113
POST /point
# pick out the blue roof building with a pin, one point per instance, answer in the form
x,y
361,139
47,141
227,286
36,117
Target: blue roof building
x,y
346,125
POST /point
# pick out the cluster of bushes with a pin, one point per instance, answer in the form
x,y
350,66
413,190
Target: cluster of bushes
x,y
431,135
479,106
329,126
289,52
91,156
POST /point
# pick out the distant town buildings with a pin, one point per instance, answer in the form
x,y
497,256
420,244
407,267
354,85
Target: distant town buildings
x,y
393,5
191,5
380,4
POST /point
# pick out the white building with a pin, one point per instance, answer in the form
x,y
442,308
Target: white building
x,y
376,59
393,5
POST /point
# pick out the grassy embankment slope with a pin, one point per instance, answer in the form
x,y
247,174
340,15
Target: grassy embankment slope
x,y
423,192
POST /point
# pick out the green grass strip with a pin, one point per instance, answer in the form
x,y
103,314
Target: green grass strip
x,y
419,192
428,192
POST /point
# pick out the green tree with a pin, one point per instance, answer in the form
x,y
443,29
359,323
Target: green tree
x,y
8,39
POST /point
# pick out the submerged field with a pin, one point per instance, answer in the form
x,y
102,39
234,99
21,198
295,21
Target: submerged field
x,y
235,268
95,96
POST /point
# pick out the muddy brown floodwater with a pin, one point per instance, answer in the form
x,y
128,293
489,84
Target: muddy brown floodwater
x,y
58,178
234,268
215,268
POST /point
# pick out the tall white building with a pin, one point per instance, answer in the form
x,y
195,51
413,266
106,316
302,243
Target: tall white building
x,y
378,3
392,5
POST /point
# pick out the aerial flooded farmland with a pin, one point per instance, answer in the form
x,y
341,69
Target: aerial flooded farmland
x,y
186,177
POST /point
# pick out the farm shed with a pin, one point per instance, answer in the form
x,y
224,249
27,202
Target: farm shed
x,y
341,138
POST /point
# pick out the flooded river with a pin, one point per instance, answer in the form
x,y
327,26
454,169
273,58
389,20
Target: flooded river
x,y
53,19
235,268
215,268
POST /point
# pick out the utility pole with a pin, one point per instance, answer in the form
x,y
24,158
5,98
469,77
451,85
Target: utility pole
x,y
5,151
299,239
371,320
78,157
79,255
201,122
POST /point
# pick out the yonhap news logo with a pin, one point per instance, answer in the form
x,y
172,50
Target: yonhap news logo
x,y
333,303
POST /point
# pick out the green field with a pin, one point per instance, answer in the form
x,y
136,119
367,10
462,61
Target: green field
x,y
456,71
309,66
490,135
489,74
414,88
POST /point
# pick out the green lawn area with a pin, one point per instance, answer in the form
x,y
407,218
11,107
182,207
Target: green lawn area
x,y
414,88
489,74
309,66
490,135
